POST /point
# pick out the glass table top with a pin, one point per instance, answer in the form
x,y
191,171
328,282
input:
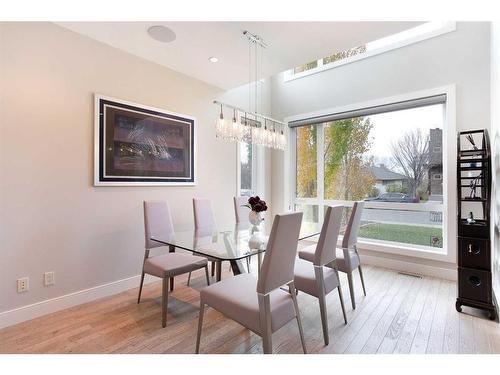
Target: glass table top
x,y
234,243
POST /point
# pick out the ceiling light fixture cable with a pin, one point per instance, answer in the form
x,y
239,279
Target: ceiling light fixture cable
x,y
259,129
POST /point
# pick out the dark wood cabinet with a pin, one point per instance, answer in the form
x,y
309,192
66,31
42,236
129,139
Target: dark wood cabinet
x,y
474,200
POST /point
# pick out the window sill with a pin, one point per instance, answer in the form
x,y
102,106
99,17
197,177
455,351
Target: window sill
x,y
397,248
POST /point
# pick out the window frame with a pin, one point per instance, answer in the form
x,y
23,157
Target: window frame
x,y
447,208
447,27
256,166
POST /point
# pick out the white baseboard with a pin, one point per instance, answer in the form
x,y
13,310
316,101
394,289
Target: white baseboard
x,y
410,267
24,313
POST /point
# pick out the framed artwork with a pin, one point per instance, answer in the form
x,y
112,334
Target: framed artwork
x,y
136,145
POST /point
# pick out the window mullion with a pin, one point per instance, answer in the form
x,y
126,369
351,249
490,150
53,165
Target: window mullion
x,y
320,162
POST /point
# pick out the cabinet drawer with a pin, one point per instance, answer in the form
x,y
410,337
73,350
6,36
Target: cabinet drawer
x,y
474,284
474,253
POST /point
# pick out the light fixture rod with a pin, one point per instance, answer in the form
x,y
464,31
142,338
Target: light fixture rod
x,y
255,39
246,112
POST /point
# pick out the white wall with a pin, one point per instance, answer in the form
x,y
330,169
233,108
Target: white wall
x,y
52,217
495,141
460,57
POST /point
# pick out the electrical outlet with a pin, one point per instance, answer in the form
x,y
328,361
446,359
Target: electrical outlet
x,y
23,284
48,278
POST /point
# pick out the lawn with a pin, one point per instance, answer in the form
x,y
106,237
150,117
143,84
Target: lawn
x,y
412,234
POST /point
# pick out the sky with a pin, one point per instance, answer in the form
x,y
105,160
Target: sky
x,y
389,127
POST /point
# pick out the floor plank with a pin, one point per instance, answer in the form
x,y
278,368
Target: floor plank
x,y
396,289
436,336
419,344
390,340
451,330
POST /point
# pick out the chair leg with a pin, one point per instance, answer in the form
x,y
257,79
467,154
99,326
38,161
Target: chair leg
x,y
291,287
265,322
351,289
362,279
206,275
218,270
189,279
213,268
164,301
248,265
318,271
200,321
341,297
140,288
171,249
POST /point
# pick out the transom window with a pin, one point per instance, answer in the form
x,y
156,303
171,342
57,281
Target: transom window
x,y
416,34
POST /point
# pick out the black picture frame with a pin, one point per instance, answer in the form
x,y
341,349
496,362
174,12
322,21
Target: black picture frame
x,y
138,145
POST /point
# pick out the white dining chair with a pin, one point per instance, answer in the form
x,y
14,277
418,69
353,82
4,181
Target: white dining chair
x,y
320,277
204,220
240,210
158,222
347,256
241,216
259,304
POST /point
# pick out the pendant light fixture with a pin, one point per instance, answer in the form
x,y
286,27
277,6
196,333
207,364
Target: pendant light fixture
x,y
250,126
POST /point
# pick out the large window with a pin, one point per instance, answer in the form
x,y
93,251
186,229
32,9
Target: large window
x,y
390,157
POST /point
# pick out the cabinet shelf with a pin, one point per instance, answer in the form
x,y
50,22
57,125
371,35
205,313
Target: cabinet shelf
x,y
480,152
473,200
475,160
471,168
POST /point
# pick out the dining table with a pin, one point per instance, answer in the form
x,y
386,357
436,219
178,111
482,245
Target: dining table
x,y
234,244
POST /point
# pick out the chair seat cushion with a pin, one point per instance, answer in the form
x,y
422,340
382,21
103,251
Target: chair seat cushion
x,y
236,298
173,264
305,278
307,253
341,263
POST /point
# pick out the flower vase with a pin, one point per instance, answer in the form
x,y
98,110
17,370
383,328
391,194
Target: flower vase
x,y
255,219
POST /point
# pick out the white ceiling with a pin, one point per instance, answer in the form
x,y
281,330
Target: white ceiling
x,y
289,44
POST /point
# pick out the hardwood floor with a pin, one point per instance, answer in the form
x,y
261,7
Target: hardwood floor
x,y
400,314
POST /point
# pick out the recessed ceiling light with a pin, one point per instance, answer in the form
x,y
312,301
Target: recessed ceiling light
x,y
161,34
213,59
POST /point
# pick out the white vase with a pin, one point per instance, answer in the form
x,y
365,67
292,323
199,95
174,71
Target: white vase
x,y
255,219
